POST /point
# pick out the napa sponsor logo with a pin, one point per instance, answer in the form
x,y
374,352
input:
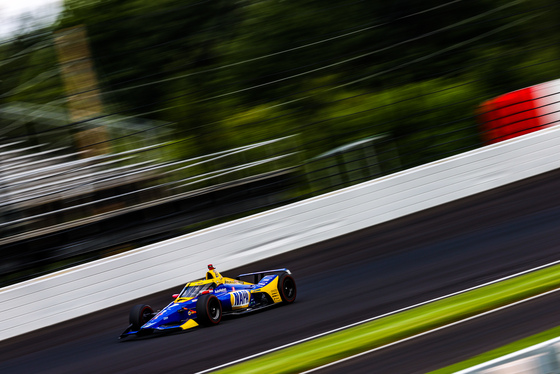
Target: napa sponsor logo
x,y
240,299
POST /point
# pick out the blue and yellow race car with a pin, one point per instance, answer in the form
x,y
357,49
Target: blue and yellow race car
x,y
205,301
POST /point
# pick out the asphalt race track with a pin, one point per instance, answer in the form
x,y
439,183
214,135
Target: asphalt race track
x,y
457,343
344,280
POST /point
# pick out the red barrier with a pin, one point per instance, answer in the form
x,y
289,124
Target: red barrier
x,y
520,112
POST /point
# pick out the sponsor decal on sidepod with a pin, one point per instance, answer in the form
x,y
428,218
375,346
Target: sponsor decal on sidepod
x,y
240,298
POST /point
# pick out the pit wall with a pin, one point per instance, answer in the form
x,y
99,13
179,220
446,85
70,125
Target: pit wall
x,y
114,280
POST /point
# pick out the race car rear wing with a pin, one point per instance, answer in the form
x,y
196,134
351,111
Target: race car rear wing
x,y
257,276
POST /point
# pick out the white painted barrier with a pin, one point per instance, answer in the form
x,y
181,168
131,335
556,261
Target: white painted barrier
x,y
90,287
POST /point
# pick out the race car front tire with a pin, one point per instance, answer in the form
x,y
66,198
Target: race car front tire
x,y
287,288
139,315
208,310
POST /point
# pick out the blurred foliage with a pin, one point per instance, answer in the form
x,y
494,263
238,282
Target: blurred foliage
x,y
354,90
231,73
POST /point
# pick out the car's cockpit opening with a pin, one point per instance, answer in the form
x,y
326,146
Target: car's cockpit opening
x,y
193,291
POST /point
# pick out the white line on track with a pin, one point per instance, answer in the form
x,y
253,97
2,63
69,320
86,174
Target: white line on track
x,y
391,313
429,331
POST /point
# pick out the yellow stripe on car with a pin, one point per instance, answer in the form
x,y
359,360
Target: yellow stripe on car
x,y
272,290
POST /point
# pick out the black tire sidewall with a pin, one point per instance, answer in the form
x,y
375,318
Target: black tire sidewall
x,y
283,278
136,317
203,310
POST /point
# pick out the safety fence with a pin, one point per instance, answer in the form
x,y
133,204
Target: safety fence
x,y
128,136
117,279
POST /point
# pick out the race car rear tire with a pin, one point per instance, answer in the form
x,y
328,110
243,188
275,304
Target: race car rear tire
x,y
287,288
139,315
208,310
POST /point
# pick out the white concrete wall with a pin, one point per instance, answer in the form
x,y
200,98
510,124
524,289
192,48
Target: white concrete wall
x,y
74,292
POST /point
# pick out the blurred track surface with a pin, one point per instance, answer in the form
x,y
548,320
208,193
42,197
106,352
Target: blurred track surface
x,y
457,343
340,281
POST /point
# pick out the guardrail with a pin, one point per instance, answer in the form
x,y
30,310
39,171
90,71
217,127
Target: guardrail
x,y
87,288
542,358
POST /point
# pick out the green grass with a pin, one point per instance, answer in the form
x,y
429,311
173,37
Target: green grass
x,y
389,329
502,351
